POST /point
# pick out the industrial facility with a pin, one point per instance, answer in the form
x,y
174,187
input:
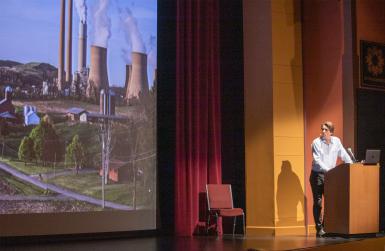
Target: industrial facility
x,y
88,81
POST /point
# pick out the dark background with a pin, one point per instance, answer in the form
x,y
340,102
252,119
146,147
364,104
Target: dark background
x,y
371,134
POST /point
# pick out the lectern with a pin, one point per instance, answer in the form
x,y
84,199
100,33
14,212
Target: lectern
x,y
352,199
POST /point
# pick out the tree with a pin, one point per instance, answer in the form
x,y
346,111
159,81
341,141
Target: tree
x,y
106,130
76,153
26,152
48,119
4,131
46,142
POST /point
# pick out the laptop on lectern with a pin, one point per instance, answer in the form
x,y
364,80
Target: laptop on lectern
x,y
372,156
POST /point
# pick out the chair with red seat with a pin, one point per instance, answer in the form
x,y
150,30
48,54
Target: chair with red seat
x,y
220,204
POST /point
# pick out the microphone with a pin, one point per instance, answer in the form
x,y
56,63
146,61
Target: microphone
x,y
351,154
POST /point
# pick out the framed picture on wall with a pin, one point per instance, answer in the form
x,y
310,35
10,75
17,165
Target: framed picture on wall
x,y
372,59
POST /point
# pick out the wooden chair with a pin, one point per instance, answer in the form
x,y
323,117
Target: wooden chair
x,y
220,204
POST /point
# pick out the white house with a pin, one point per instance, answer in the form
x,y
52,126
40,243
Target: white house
x,y
30,115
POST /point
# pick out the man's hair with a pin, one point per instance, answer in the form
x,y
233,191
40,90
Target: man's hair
x,y
329,125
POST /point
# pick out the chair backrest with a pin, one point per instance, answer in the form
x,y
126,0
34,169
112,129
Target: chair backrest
x,y
219,196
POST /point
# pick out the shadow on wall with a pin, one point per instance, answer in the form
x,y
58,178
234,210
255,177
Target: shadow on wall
x,y
289,196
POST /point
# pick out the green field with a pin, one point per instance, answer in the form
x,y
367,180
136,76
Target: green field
x,y
90,184
33,168
20,187
83,183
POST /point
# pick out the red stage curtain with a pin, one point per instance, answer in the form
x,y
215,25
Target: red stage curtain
x,y
198,133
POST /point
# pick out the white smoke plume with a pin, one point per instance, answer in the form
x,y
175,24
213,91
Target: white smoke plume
x,y
152,51
126,55
81,7
132,34
126,51
151,57
102,24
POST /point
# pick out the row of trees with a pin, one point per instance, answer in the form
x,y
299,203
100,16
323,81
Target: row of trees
x,y
44,145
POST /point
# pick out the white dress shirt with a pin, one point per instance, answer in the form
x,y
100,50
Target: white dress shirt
x,y
325,155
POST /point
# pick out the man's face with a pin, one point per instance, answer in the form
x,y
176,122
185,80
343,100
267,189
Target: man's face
x,y
325,132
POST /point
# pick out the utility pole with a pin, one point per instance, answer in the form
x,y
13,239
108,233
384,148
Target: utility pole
x,y
103,161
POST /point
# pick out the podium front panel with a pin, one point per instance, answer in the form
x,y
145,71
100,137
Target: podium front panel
x,y
336,203
352,199
364,199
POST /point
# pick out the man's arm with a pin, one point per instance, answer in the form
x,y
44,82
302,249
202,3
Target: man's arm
x,y
343,154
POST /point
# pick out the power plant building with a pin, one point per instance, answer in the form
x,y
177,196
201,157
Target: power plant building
x,y
30,116
90,82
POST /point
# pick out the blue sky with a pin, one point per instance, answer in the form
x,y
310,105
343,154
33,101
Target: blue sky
x,y
30,32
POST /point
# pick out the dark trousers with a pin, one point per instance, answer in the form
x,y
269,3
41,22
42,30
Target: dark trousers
x,y
317,187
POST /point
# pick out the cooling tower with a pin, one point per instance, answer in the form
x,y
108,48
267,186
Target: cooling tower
x,y
98,78
128,75
82,46
60,73
138,79
69,45
155,79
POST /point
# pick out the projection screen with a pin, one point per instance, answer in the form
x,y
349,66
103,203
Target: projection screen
x,y
78,89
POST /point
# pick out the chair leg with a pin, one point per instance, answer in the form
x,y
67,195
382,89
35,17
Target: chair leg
x,y
216,223
244,227
234,223
208,224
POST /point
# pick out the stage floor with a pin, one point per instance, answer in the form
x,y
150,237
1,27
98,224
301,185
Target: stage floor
x,y
225,243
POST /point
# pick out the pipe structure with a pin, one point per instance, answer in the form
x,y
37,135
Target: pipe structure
x,y
107,102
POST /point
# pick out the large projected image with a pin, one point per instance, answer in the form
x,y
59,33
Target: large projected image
x,y
77,105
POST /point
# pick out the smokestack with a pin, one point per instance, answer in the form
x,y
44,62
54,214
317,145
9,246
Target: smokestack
x,y
69,45
82,47
139,81
128,75
60,74
98,77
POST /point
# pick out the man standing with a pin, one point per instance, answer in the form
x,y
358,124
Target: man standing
x,y
325,149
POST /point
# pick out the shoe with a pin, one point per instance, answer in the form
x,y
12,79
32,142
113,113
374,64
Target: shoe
x,y
321,233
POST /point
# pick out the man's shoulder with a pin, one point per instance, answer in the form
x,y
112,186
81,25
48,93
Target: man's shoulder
x,y
335,139
317,140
